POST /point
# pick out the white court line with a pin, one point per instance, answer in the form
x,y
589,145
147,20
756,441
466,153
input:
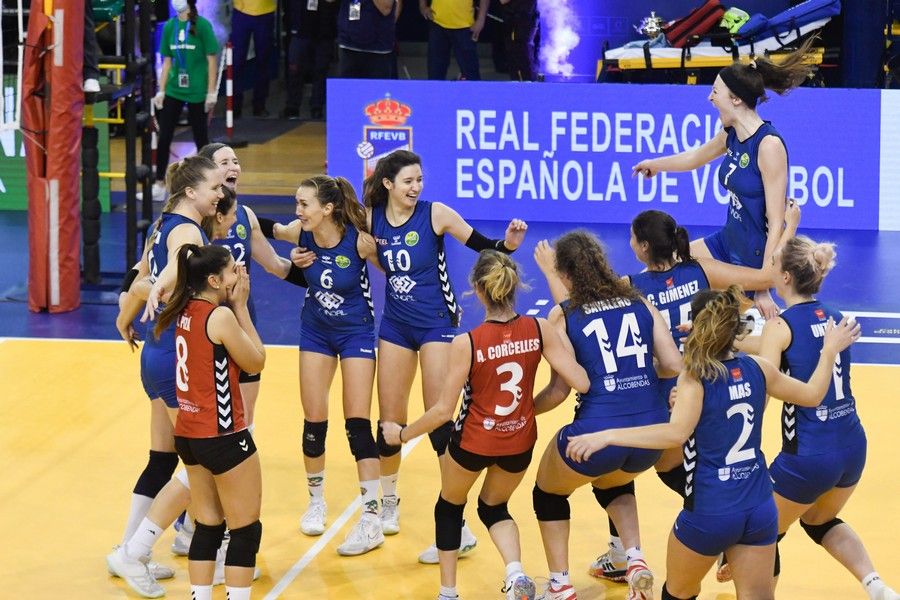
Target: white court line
x,y
872,315
320,544
878,340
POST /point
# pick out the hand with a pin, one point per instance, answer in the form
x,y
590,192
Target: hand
x,y
426,11
685,327
240,291
581,447
211,99
646,167
158,99
839,337
302,257
126,330
476,28
545,257
673,397
765,305
153,300
391,433
515,234
792,214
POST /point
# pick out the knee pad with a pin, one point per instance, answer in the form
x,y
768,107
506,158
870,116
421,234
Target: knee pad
x,y
818,532
359,434
384,449
157,473
314,438
243,546
448,522
490,514
550,507
206,541
667,596
605,497
440,437
675,479
182,478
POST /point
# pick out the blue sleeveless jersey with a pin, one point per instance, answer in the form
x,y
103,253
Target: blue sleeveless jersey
x,y
834,423
338,297
237,240
671,292
726,469
613,341
417,285
746,228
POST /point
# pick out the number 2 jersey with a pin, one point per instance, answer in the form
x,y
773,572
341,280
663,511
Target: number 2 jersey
x,y
418,291
671,292
237,240
209,395
497,413
833,424
726,469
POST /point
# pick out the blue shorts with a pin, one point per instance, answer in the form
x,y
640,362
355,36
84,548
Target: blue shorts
x,y
802,479
414,337
611,458
158,373
358,343
710,535
719,249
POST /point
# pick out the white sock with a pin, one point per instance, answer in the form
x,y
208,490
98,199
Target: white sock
x,y
449,592
201,592
236,593
633,554
615,544
513,570
873,585
560,577
141,543
389,485
139,507
316,484
369,492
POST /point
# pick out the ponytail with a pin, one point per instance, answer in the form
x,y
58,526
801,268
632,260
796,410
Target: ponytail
x,y
750,81
195,265
682,244
192,17
497,277
808,262
180,295
665,239
352,211
339,193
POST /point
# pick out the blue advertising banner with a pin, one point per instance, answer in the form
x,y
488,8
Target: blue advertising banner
x,y
564,152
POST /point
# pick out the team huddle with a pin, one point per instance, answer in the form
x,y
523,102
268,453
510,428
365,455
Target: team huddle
x,y
665,373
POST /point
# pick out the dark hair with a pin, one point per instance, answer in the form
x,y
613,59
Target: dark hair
x,y
496,275
664,237
339,192
717,323
808,262
581,258
374,192
226,202
195,264
210,149
192,5
749,82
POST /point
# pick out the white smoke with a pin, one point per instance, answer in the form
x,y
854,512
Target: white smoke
x,y
558,37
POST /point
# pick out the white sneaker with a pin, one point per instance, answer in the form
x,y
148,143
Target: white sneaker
x,y
366,535
313,520
640,581
159,193
157,570
467,543
390,515
611,565
888,594
563,592
91,86
134,572
521,588
182,543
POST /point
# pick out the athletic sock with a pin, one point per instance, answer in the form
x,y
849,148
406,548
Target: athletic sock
x,y
873,585
449,592
316,484
633,554
201,592
389,485
139,506
616,546
369,492
236,593
560,578
141,543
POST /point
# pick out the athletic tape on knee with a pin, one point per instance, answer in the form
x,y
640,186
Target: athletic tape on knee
x,y
440,437
605,497
359,435
491,514
314,438
550,507
182,477
818,532
384,449
206,541
675,479
157,473
448,522
244,545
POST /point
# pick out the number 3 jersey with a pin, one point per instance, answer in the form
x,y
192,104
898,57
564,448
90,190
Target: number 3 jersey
x,y
339,297
209,395
418,290
726,469
497,413
833,424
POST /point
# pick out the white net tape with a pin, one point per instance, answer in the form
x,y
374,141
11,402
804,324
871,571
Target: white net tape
x,y
12,47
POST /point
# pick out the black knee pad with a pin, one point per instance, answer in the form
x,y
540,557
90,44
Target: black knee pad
x,y
159,470
667,596
550,507
777,570
490,514
605,497
440,437
206,541
243,546
314,438
448,522
384,449
675,479
818,532
359,434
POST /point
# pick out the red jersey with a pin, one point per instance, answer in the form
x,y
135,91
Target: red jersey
x,y
497,414
206,379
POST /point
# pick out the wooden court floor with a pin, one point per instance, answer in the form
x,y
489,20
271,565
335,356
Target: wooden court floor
x,y
74,437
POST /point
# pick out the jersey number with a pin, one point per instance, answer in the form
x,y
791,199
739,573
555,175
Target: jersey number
x,y
326,280
399,261
151,259
731,169
241,249
738,453
629,329
512,386
684,315
181,371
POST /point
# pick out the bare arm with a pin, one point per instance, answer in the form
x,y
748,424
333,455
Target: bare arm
x,y
446,220
557,390
234,329
545,257
367,250
772,163
263,252
684,161
212,67
721,275
164,74
562,359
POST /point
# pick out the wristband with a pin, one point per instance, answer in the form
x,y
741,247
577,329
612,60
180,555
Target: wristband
x,y
130,276
478,242
295,275
267,226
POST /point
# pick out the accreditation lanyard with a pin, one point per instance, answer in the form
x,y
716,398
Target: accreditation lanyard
x,y
181,34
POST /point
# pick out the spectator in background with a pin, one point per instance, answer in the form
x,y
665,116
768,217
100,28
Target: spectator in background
x,y
313,27
253,18
90,68
453,27
520,24
366,38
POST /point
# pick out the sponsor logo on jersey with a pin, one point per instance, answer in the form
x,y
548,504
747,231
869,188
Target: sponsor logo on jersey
x,y
736,374
386,132
820,314
395,241
745,160
241,232
381,241
401,284
412,238
329,300
822,413
326,259
609,382
670,282
342,261
489,423
724,473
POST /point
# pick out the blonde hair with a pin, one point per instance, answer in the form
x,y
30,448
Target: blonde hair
x,y
717,323
497,277
187,173
808,262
